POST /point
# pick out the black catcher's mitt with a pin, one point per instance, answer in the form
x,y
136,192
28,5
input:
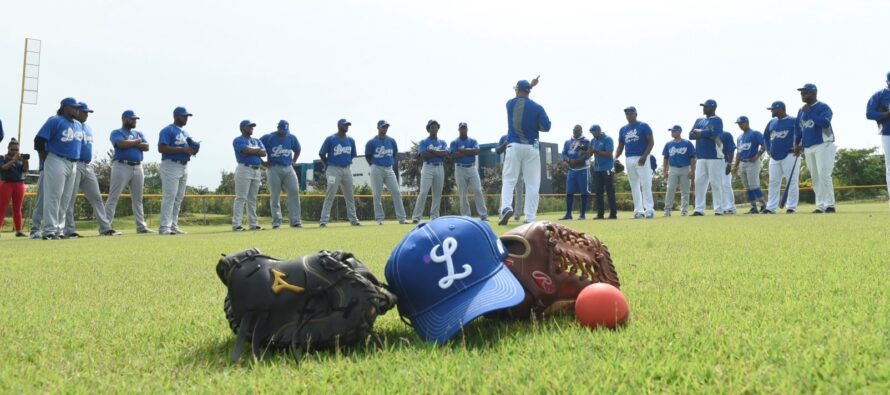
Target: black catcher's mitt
x,y
319,301
618,167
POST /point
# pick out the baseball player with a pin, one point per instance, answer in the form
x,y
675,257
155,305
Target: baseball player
x,y
575,152
126,169
464,151
432,175
750,147
679,169
817,139
249,153
519,190
779,137
86,181
637,137
710,165
603,175
525,119
380,152
729,148
58,143
176,148
283,149
336,155
878,110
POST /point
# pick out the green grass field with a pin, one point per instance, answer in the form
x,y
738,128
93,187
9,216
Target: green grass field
x,y
778,304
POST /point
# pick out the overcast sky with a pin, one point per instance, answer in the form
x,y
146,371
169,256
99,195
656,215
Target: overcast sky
x,y
313,62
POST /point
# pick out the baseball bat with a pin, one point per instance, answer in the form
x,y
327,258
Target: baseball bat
x,y
787,184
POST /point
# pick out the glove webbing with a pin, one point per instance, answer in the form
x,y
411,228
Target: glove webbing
x,y
570,260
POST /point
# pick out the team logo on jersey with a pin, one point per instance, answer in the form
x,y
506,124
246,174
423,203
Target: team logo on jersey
x,y
449,247
280,151
181,139
631,136
744,147
382,152
70,135
342,149
779,134
576,146
543,281
677,151
807,124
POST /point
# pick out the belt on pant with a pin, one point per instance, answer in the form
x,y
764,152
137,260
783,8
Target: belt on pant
x,y
578,169
255,167
68,159
280,164
465,164
181,162
432,164
129,162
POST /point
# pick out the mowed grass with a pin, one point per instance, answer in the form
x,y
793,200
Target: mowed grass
x,y
778,304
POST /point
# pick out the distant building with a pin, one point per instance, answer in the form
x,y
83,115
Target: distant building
x,y
488,158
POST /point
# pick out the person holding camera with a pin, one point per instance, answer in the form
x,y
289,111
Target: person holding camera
x,y
12,187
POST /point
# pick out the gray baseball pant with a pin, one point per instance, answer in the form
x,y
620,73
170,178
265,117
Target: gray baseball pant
x,y
37,215
247,185
124,175
173,181
750,174
284,176
86,181
469,176
677,176
431,176
338,177
59,175
380,176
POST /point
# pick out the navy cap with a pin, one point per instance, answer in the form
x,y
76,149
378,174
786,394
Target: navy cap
x,y
382,124
343,121
283,125
741,119
523,85
776,105
181,111
431,122
83,107
595,128
630,109
709,103
808,87
676,128
462,125
69,101
247,122
129,114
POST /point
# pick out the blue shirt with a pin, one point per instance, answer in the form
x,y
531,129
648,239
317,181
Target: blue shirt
x,y
814,125
634,138
576,149
63,137
429,144
459,143
132,154
174,136
749,144
15,173
280,150
878,104
603,163
779,137
339,152
240,143
679,153
728,146
381,151
525,119
709,145
86,150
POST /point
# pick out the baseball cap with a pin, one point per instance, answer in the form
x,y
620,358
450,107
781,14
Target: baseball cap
x,y
129,114
343,121
595,128
808,87
447,272
462,125
283,125
523,85
709,103
630,109
83,107
181,111
676,128
247,122
431,122
776,105
69,101
382,124
741,119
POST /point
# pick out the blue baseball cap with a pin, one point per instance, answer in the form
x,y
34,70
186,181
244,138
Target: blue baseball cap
x,y
462,125
129,114
343,121
741,119
382,124
449,271
676,128
69,101
630,109
247,122
181,111
83,107
431,122
709,103
283,125
808,87
776,105
523,85
595,128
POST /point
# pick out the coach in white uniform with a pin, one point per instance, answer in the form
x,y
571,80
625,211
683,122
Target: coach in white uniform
x,y
380,152
817,140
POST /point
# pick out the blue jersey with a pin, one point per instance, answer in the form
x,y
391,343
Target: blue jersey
x,y
133,154
779,137
576,148
63,137
429,144
603,163
634,138
280,150
240,143
709,145
174,136
458,143
878,105
339,152
86,150
749,144
679,153
728,146
814,125
525,119
381,151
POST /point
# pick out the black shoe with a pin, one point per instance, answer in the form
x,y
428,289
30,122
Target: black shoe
x,y
770,212
754,211
72,235
145,231
276,226
415,221
504,218
566,218
296,226
110,232
50,237
356,223
817,211
256,227
598,218
830,210
20,234
697,214
718,214
238,229
613,217
322,225
789,211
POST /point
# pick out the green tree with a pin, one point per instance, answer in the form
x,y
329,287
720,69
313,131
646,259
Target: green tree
x,y
102,168
859,167
559,172
409,168
226,183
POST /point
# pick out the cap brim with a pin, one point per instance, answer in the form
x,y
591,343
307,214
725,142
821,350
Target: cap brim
x,y
132,117
500,291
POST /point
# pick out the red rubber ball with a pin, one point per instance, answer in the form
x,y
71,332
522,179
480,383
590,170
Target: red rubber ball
x,y
601,304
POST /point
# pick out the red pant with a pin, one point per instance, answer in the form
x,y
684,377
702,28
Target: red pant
x,y
14,191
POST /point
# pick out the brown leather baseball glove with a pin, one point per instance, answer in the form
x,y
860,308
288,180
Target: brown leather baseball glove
x,y
554,263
